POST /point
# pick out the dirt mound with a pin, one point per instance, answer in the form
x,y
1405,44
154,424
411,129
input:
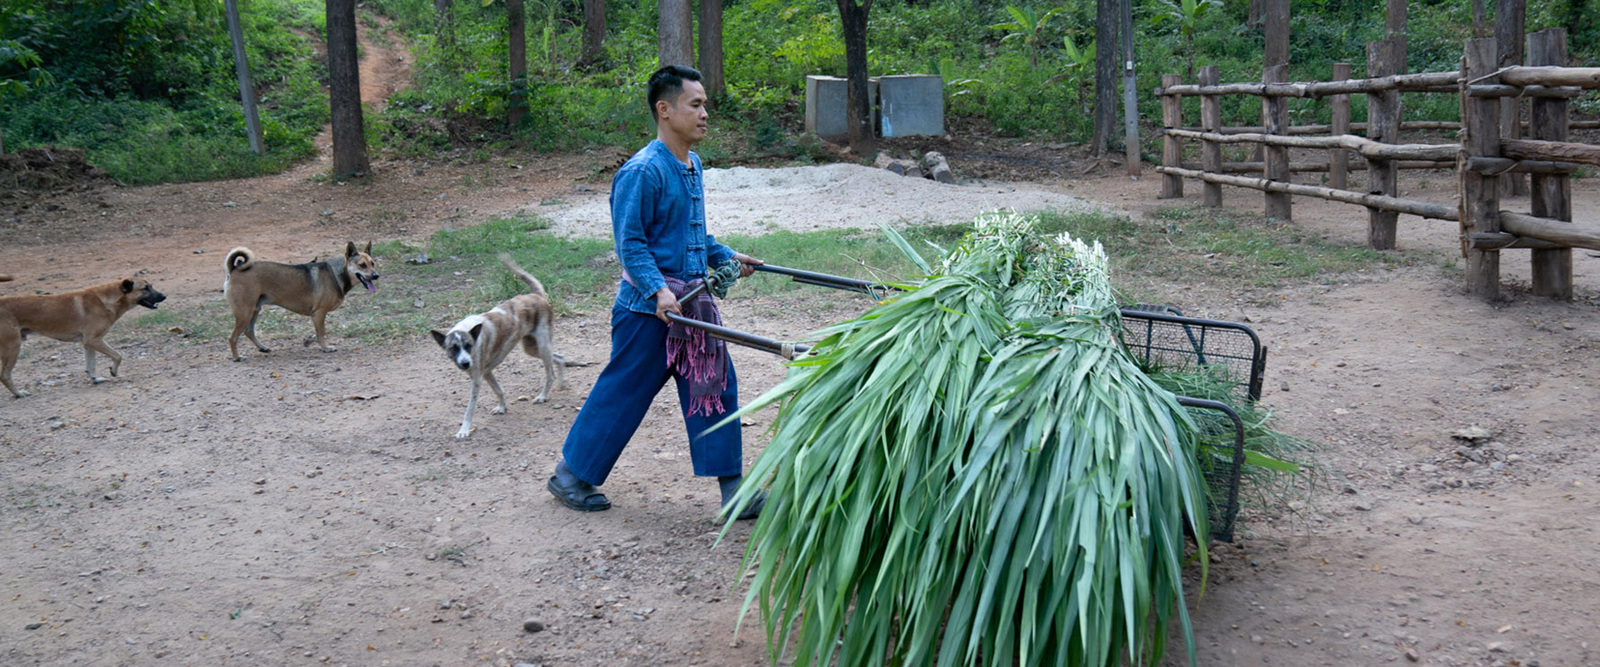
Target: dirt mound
x,y
49,169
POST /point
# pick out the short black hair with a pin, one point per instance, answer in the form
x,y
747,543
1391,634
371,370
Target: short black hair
x,y
667,83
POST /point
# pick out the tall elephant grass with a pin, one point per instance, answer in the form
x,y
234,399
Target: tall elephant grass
x,y
976,473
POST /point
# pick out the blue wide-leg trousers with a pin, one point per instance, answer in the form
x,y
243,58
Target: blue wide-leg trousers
x,y
622,395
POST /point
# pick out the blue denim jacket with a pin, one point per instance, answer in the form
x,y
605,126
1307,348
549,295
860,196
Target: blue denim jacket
x,y
658,219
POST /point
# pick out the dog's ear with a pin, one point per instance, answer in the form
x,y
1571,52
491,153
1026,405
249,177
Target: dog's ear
x,y
127,286
437,337
369,248
476,330
350,249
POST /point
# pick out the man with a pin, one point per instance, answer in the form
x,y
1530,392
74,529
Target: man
x,y
658,221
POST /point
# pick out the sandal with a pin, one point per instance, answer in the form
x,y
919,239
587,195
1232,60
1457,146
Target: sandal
x,y
581,496
752,509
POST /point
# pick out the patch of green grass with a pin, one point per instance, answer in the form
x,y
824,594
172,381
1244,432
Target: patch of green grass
x,y
1194,244
464,274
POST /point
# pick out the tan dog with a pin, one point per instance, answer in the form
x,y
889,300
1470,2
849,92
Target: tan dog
x,y
313,289
480,342
78,316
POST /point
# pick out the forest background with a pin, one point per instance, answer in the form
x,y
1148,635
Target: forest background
x,y
147,87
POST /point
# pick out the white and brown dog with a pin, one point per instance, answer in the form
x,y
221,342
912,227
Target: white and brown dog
x,y
478,343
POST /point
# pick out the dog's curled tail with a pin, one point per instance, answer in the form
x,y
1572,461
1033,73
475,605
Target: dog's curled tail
x,y
239,259
5,278
538,288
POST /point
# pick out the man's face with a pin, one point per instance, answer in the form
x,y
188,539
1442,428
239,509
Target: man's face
x,y
685,116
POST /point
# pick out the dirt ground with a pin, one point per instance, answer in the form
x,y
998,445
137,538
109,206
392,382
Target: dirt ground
x,y
308,508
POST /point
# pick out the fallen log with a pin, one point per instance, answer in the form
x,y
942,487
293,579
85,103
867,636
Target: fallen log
x,y
935,166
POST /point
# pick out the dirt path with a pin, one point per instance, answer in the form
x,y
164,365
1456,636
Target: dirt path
x,y
309,508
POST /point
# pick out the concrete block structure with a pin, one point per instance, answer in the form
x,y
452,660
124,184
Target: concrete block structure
x,y
912,105
826,100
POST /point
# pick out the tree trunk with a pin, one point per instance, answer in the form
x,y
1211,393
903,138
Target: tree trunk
x,y
859,113
241,66
444,32
711,46
1583,24
675,33
1394,22
594,32
344,91
1510,28
1130,111
1105,74
517,26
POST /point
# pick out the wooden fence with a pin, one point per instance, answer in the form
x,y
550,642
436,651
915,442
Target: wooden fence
x,y
1482,160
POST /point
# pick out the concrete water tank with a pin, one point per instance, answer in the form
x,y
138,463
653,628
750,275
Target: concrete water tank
x,y
826,101
912,105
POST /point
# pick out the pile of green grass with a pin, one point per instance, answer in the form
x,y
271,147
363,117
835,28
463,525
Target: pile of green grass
x,y
976,472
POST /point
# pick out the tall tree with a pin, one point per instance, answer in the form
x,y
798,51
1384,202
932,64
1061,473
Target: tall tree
x,y
344,91
444,32
858,115
675,33
241,67
711,46
594,32
1106,18
1583,24
517,26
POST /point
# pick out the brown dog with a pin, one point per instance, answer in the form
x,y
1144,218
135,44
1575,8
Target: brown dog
x,y
82,315
4,278
313,289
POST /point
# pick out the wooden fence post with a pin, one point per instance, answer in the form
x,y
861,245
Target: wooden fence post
x,y
1338,160
1383,124
1551,193
1211,151
1510,19
1275,113
1480,195
1171,149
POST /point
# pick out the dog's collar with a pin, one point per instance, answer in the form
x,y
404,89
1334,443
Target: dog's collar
x,y
341,272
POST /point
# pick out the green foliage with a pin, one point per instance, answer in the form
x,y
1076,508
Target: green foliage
x,y
1279,467
975,472
1187,15
1028,26
148,88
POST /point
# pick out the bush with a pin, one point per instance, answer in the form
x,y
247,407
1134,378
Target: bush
x,y
149,90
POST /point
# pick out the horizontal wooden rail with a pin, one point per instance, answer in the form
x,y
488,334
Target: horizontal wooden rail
x,y
1582,77
1555,231
1497,90
1258,167
1417,208
1494,166
1415,125
1428,82
1556,151
1368,148
1507,241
